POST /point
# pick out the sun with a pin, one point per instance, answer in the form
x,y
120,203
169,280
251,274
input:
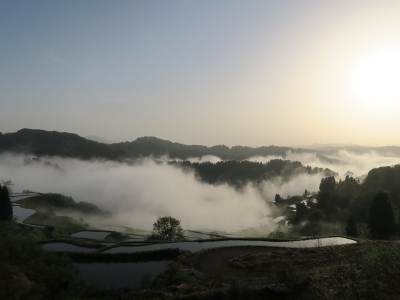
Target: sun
x,y
377,80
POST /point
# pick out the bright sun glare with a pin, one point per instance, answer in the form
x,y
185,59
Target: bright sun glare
x,y
377,80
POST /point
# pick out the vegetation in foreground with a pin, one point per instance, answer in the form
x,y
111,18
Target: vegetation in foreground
x,y
369,270
28,272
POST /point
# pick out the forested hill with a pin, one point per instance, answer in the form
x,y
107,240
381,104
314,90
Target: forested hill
x,y
240,173
146,146
53,143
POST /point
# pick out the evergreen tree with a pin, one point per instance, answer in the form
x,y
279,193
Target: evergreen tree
x,y
381,217
301,212
327,185
278,198
6,210
351,228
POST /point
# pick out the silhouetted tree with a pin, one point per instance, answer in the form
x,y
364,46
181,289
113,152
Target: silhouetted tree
x,y
301,211
326,206
167,228
351,228
381,218
278,198
6,210
327,185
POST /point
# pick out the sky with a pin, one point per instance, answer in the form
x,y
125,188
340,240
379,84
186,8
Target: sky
x,y
206,72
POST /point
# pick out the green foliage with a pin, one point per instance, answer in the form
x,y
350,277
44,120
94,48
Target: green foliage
x,y
277,234
381,217
374,274
28,272
167,228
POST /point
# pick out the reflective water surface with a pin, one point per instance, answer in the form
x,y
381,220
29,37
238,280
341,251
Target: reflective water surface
x,y
197,246
22,213
96,235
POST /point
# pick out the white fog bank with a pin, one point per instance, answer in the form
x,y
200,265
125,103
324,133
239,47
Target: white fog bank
x,y
138,195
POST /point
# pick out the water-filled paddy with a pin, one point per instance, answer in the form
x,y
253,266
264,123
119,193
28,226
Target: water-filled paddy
x,y
195,235
113,228
198,246
65,247
22,213
17,197
135,240
96,235
120,275
276,220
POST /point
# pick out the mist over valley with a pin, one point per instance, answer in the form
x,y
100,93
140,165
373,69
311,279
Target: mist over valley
x,y
206,192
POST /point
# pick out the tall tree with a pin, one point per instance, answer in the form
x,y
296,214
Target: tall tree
x,y
327,185
351,228
381,217
6,210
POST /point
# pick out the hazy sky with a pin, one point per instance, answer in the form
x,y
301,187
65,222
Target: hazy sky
x,y
203,72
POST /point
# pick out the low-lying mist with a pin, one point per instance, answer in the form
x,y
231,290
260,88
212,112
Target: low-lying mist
x,y
359,164
137,195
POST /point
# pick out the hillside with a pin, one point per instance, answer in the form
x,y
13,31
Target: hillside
x,y
146,146
53,143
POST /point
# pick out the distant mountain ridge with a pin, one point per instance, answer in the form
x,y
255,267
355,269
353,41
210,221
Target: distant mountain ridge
x,y
145,146
53,143
97,139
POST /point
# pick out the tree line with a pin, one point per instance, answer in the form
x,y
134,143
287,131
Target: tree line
x,y
240,173
53,143
374,203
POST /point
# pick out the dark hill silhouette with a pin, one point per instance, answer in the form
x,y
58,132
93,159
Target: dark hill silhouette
x,y
146,146
53,143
